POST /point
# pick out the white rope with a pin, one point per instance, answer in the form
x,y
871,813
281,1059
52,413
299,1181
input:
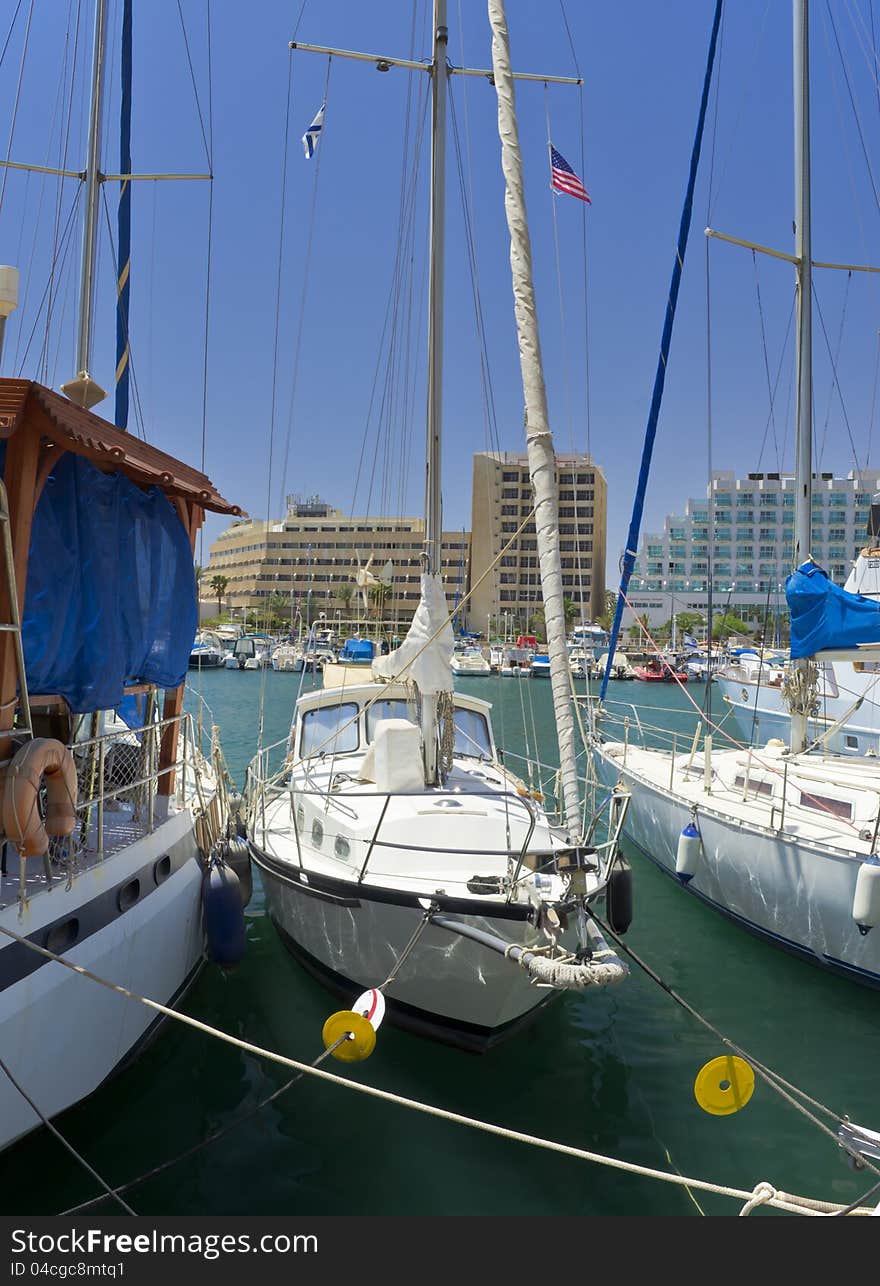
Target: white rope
x,y
763,1192
571,976
781,1201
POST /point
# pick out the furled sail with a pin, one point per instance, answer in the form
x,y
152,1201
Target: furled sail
x,y
425,655
539,440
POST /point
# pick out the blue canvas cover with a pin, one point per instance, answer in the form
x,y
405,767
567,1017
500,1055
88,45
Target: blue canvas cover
x,y
357,651
110,595
825,616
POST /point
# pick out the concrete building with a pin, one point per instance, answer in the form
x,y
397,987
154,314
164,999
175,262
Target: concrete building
x,y
501,499
310,559
752,551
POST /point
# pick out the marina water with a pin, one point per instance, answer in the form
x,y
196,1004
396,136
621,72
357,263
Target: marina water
x,y
611,1071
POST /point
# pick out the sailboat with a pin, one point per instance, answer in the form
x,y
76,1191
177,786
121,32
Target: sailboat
x,y
110,805
782,841
400,856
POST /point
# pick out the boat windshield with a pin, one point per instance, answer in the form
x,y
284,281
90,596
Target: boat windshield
x,y
471,728
330,730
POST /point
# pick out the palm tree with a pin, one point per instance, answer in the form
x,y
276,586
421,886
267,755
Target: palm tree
x,y
198,572
218,585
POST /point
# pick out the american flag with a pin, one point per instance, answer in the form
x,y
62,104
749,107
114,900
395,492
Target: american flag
x,y
564,179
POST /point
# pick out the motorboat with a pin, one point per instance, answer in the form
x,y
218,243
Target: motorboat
x,y
540,667
516,663
469,661
660,670
207,651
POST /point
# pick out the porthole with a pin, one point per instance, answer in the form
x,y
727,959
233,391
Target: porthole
x,y
61,937
128,895
341,848
317,832
162,869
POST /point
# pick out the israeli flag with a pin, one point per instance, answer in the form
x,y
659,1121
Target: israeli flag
x,y
689,641
313,134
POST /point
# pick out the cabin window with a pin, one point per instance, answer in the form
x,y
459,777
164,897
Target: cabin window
x,y
851,742
392,708
826,804
755,787
329,730
471,734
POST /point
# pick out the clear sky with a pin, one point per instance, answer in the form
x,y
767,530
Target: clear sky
x,y
642,65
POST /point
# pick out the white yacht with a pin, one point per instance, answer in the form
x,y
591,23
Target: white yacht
x,y
399,854
468,661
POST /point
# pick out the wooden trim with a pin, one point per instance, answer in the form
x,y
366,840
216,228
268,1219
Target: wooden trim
x,y
22,460
171,709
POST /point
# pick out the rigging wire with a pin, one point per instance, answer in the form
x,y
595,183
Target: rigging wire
x,y
836,381
207,132
17,101
835,360
773,386
9,33
306,268
855,111
766,359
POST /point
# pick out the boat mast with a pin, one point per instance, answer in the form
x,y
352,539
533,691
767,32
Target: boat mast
x,y
539,440
83,390
804,258
433,506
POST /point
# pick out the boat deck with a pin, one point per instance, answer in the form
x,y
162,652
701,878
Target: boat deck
x,y
816,799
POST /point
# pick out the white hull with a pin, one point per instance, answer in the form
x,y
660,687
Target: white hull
x,y
795,891
760,713
449,987
62,1035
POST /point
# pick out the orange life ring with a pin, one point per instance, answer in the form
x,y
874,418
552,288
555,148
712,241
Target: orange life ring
x,y
42,758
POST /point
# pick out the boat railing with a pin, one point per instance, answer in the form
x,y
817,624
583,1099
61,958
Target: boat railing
x,y
119,787
616,720
535,859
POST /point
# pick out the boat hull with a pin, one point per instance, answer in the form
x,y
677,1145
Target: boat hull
x,y
153,948
448,987
799,896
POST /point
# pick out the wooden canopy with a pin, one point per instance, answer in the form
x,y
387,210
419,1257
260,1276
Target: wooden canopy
x,y
39,427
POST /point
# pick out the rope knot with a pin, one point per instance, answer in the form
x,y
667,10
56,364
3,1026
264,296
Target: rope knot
x,y
761,1194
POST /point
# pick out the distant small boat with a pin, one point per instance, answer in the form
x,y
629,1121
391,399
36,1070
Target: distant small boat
x,y
207,651
516,663
657,671
470,661
540,667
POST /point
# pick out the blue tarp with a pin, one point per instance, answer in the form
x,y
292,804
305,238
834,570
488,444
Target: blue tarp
x,y
357,651
825,616
110,593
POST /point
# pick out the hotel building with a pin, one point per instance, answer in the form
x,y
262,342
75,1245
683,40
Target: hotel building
x,y
502,498
753,545
311,558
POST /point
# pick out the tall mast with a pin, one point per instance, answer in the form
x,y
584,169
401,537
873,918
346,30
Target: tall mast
x,y
433,506
539,440
803,252
83,389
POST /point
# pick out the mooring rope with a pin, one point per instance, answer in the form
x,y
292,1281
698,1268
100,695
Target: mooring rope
x,y
781,1200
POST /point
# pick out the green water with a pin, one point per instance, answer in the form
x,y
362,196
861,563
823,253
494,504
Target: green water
x,y
611,1072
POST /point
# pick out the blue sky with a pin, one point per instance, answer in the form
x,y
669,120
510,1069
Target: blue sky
x,y
642,65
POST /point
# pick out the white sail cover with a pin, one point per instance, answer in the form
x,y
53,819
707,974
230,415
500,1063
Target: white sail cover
x,y
423,658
